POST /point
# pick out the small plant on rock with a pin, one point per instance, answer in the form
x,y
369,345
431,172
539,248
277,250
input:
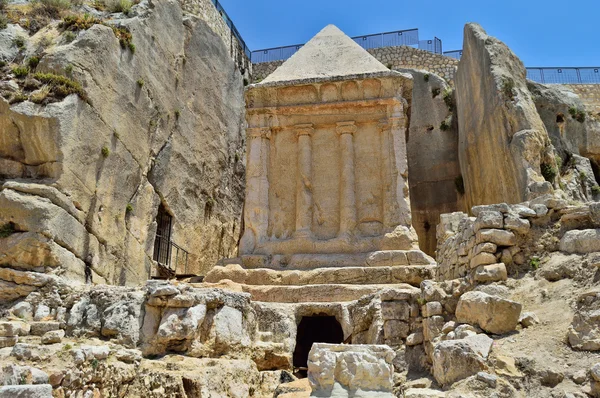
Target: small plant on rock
x,y
61,86
67,347
105,152
508,86
548,172
535,263
69,36
17,97
33,62
577,114
69,69
7,230
76,23
596,189
3,21
40,96
19,42
140,82
448,99
95,364
129,208
421,301
426,77
582,175
20,71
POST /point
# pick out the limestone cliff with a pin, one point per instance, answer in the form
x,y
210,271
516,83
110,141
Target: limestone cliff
x,y
159,122
503,144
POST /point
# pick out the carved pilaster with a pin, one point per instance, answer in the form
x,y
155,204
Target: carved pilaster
x,y
304,202
346,131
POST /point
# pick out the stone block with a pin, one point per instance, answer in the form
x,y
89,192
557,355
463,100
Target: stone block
x,y
10,329
488,219
491,273
395,310
26,391
431,309
41,328
482,259
519,225
53,337
432,327
394,329
342,369
486,247
497,236
581,241
415,338
498,207
8,341
493,314
454,360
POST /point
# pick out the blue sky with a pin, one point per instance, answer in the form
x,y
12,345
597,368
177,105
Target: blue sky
x,y
541,33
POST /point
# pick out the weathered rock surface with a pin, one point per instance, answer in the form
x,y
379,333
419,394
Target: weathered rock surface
x,y
454,360
502,140
348,370
491,313
181,128
584,333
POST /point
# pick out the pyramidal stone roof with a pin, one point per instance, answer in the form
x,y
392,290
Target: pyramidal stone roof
x,y
330,54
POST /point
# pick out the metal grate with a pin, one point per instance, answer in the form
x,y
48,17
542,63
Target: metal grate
x,y
166,252
454,54
565,75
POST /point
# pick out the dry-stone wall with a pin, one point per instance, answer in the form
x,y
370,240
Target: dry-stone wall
x,y
392,57
501,238
589,94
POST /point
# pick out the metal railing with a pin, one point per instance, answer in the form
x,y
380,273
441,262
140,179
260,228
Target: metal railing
x,y
170,255
408,37
232,28
566,75
433,46
454,54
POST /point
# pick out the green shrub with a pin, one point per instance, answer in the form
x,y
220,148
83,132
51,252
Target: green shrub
x,y
19,42
448,99
105,152
508,86
69,36
426,77
459,184
129,208
596,189
582,175
577,114
548,172
69,69
445,126
3,21
95,364
40,96
123,6
76,23
61,86
534,262
33,62
421,301
20,71
7,230
17,97
52,8
140,82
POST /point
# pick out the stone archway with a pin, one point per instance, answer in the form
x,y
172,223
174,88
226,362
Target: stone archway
x,y
315,329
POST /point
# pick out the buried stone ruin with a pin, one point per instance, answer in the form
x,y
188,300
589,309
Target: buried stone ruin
x,y
330,294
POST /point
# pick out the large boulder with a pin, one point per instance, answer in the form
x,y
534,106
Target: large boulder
x,y
493,314
502,140
454,360
581,241
584,332
343,370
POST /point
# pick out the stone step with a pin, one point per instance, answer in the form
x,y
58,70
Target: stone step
x,y
412,274
306,261
316,293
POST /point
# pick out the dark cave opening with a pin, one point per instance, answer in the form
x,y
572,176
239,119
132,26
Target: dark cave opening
x,y
315,329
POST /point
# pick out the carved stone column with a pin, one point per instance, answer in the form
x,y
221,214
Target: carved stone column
x,y
256,207
387,170
346,132
304,202
394,154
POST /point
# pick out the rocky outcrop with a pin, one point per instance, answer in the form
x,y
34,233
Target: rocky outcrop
x,y
432,148
583,334
491,313
502,140
161,126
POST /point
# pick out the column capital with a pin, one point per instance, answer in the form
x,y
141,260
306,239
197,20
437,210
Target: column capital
x,y
346,128
398,122
259,132
304,129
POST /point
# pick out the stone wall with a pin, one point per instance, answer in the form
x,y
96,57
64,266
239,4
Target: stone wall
x,y
504,238
206,10
589,94
394,57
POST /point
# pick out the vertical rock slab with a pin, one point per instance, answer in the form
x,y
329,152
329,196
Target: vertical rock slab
x,y
502,140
